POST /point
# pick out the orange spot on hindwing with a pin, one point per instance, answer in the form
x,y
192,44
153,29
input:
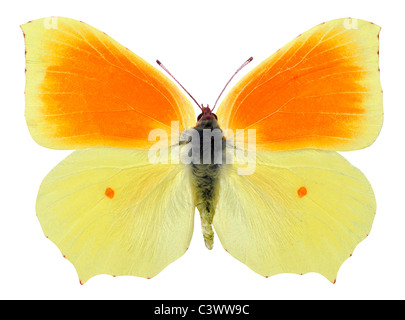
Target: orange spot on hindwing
x,y
109,193
302,192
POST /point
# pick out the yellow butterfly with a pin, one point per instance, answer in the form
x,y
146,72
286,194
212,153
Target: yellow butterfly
x,y
112,210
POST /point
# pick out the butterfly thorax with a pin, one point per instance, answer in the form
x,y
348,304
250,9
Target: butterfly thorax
x,y
206,167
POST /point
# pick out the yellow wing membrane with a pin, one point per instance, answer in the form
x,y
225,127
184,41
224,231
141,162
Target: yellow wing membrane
x,y
322,90
84,89
110,211
300,211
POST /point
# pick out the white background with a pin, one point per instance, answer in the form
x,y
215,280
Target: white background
x,y
202,43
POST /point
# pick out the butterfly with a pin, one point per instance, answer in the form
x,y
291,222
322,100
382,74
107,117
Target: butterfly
x,y
111,210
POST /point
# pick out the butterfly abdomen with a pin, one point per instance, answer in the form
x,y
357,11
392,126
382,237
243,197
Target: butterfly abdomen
x,y
206,169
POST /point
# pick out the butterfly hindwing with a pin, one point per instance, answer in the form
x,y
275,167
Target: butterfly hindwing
x,y
300,211
110,211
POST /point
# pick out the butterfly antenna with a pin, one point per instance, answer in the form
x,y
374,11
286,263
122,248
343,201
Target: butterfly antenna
x,y
165,69
239,69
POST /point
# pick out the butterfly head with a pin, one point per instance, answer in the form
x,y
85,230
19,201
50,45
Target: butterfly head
x,y
206,114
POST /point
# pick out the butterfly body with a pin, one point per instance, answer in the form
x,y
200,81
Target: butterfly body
x,y
206,169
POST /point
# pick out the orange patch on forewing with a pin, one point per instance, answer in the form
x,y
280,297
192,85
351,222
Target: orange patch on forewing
x,y
109,193
302,192
311,93
119,96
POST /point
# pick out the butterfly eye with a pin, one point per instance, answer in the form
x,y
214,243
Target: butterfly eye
x,y
200,115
